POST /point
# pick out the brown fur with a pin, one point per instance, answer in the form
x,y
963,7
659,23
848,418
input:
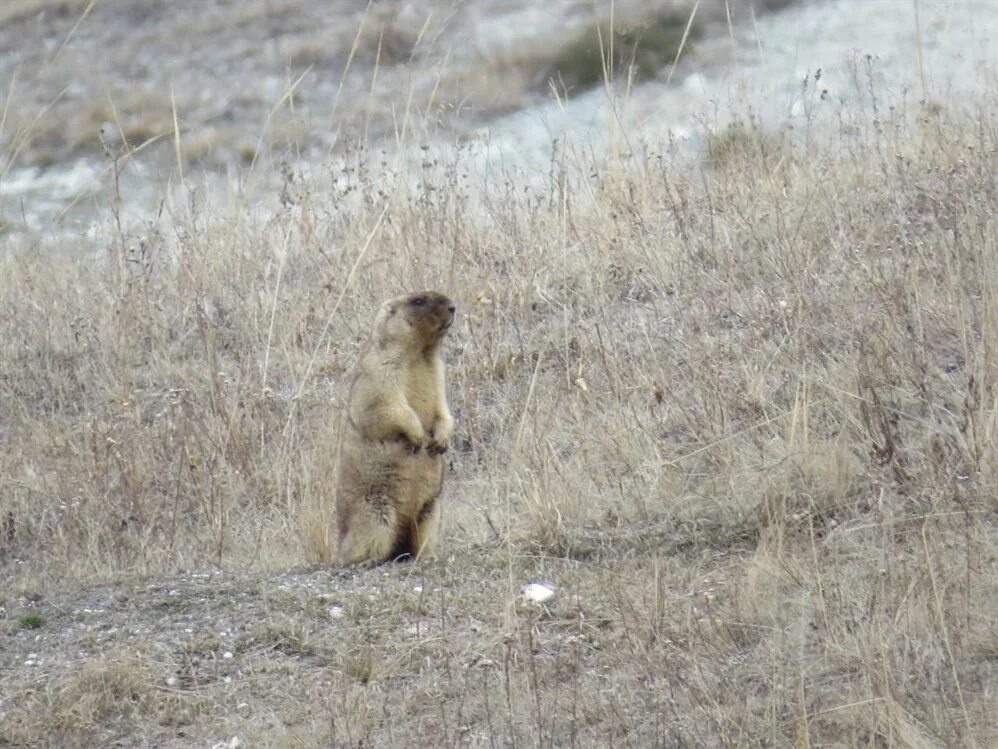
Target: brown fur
x,y
399,425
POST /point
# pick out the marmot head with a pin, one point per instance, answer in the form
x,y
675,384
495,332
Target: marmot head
x,y
419,320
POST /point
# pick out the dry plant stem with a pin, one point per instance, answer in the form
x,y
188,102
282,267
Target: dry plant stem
x,y
941,620
686,36
273,309
176,135
509,502
287,97
304,378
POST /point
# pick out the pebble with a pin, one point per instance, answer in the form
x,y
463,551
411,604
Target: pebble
x,y
539,591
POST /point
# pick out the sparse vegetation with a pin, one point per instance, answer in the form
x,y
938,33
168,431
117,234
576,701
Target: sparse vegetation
x,y
639,48
337,52
742,142
744,417
31,621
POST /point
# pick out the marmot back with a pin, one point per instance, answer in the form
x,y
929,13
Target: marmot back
x,y
399,425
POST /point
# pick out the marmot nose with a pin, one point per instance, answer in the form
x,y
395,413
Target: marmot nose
x,y
451,308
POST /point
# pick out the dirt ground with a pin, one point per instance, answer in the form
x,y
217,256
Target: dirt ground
x,y
323,657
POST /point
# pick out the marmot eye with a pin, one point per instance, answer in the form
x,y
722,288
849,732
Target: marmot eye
x,y
419,301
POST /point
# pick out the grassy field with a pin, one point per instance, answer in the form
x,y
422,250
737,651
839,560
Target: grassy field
x,y
740,409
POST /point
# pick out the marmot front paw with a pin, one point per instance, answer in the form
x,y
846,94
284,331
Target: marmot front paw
x,y
409,444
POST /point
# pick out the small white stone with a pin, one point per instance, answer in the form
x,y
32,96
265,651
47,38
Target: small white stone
x,y
171,681
417,589
336,612
227,654
539,591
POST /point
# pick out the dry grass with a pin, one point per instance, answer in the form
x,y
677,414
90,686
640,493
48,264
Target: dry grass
x,y
745,418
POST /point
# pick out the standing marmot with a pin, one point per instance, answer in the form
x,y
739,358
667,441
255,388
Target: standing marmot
x,y
399,425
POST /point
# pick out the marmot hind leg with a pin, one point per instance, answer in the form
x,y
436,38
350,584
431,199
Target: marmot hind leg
x,y
423,538
367,536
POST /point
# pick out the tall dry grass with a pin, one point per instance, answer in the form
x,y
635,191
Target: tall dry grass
x,y
769,376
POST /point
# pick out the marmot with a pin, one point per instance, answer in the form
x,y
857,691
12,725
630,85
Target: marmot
x,y
398,426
